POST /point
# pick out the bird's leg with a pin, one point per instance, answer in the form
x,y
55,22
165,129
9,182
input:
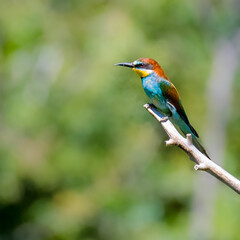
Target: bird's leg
x,y
150,105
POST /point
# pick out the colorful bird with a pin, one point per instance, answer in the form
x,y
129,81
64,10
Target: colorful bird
x,y
163,95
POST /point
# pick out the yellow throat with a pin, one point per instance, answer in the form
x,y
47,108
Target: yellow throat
x,y
142,73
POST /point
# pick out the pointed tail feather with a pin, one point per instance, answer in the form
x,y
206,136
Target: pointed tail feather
x,y
196,143
199,146
186,128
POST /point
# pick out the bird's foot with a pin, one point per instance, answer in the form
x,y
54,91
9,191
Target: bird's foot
x,y
152,106
149,105
163,119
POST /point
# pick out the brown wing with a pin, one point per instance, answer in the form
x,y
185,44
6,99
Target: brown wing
x,y
170,92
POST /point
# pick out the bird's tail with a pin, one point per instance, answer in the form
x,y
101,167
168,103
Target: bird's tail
x,y
187,128
199,146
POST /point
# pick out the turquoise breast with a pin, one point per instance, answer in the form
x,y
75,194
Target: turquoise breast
x,y
152,89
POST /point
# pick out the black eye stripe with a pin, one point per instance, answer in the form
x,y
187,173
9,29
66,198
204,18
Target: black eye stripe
x,y
144,65
140,65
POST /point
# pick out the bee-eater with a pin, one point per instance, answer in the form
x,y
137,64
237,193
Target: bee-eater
x,y
163,95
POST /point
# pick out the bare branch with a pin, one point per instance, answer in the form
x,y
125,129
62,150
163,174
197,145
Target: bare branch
x,y
202,162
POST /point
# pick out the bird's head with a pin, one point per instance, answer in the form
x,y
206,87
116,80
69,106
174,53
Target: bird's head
x,y
144,67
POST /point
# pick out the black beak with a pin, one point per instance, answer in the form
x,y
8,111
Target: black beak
x,y
130,65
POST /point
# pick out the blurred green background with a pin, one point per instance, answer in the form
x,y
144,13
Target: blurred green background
x,y
80,157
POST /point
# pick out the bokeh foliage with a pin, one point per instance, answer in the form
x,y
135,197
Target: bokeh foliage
x,y
80,157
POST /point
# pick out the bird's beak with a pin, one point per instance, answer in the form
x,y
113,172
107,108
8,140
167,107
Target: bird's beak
x,y
130,65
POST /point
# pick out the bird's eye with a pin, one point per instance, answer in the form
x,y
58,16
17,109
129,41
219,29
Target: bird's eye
x,y
139,65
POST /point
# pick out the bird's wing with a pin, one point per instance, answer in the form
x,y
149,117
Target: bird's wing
x,y
171,94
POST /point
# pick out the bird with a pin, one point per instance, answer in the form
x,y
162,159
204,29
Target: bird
x,y
163,95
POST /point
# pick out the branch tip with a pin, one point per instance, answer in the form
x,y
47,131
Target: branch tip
x,y
189,139
146,106
170,142
201,166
